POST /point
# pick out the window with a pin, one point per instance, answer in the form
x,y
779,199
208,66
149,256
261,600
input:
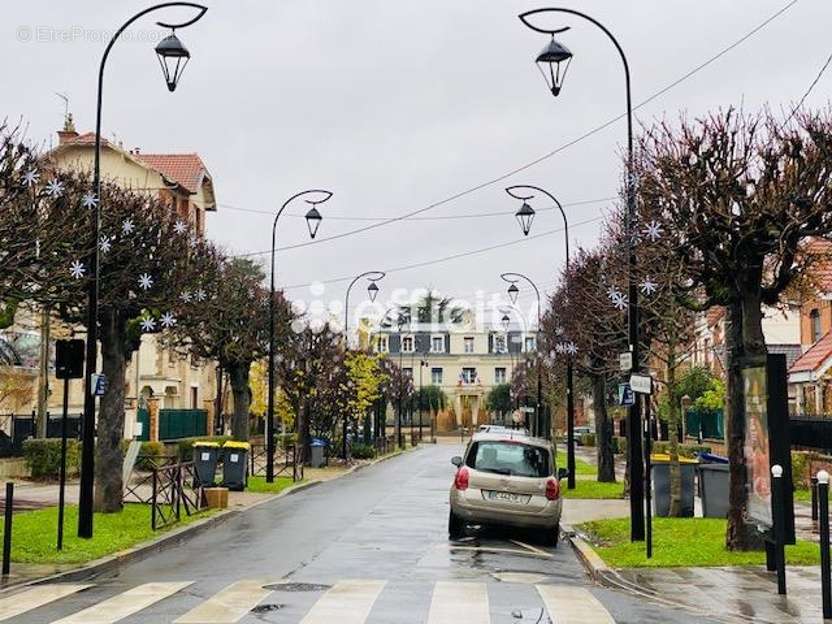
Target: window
x,y
436,376
437,344
468,344
499,375
509,458
407,373
500,343
194,397
814,317
529,343
407,344
381,344
469,375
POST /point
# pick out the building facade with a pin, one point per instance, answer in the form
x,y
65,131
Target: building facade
x,y
466,361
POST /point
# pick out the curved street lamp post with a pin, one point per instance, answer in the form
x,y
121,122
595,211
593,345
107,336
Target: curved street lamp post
x,y
372,292
173,57
553,56
313,221
521,192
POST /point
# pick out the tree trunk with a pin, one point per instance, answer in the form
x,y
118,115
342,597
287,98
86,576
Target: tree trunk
x,y
745,345
109,459
303,430
239,375
673,425
218,400
603,431
43,376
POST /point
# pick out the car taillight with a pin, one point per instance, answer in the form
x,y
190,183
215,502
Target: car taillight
x,y
552,489
461,479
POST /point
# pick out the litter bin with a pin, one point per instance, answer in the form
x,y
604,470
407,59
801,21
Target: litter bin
x,y
205,454
235,465
661,484
714,481
317,450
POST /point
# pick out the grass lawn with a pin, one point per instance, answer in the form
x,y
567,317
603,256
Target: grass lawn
x,y
583,467
34,534
587,488
685,542
259,485
803,496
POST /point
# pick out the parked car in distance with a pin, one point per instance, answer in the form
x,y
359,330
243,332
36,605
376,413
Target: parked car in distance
x,y
508,479
579,431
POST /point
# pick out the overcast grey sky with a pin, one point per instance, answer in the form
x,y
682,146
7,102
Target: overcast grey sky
x,y
396,105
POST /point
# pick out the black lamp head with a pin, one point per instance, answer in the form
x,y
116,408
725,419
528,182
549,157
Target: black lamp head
x,y
553,62
173,57
372,291
313,220
513,291
525,216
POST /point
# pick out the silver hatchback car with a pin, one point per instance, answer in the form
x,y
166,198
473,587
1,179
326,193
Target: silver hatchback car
x,y
507,479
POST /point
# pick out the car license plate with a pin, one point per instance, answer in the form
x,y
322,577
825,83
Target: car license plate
x,y
508,497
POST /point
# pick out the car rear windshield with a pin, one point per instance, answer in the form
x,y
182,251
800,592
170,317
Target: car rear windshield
x,y
509,458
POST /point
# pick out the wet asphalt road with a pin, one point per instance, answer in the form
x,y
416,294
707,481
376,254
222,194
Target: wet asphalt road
x,y
386,522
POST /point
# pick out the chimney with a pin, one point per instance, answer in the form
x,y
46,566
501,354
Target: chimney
x,y
68,132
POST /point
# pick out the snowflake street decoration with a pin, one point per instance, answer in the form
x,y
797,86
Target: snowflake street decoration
x,y
185,296
127,227
200,295
104,244
167,320
31,177
613,292
77,270
145,281
194,241
180,227
89,200
559,348
648,286
148,324
620,301
55,188
653,231
570,348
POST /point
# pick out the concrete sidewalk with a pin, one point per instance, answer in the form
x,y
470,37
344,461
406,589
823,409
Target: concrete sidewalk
x,y
738,594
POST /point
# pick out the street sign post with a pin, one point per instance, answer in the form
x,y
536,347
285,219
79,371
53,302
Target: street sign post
x,y
625,361
643,384
626,395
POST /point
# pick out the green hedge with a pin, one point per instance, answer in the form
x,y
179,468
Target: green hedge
x,y
685,450
588,439
43,457
150,453
363,451
184,447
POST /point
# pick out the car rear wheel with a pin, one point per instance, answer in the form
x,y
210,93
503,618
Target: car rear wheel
x,y
549,537
456,527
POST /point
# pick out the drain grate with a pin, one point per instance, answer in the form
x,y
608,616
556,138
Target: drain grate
x,y
297,587
266,608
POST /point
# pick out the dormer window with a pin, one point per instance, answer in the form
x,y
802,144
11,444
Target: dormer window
x,y
407,344
381,344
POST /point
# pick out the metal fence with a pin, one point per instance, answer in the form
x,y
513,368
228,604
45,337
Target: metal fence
x,y
286,461
167,485
15,429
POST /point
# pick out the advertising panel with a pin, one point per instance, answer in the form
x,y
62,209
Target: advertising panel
x,y
757,449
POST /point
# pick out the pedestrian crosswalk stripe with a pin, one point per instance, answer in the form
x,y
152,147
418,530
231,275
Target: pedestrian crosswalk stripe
x,y
348,602
459,603
35,597
573,605
228,606
125,604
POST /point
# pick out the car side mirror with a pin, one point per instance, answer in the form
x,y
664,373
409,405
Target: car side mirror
x,y
456,461
562,473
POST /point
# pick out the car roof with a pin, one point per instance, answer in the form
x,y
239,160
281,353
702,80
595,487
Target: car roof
x,y
510,435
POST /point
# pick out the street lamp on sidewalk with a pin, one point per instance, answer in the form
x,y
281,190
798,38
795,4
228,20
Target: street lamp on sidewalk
x,y
556,58
313,197
513,291
173,56
372,293
524,193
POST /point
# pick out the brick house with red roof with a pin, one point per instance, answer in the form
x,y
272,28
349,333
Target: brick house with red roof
x,y
810,376
155,375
